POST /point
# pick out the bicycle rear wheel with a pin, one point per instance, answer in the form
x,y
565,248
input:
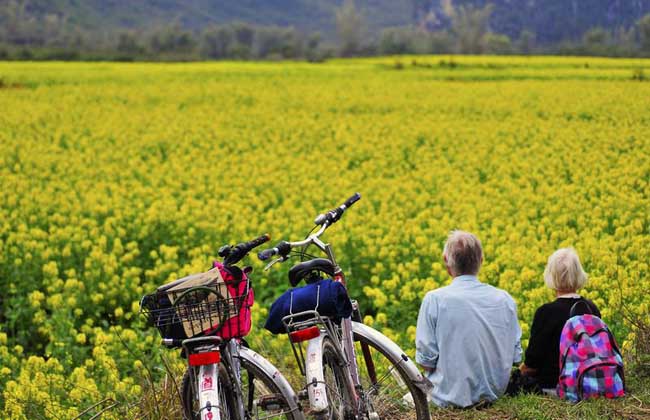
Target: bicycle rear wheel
x,y
390,393
338,388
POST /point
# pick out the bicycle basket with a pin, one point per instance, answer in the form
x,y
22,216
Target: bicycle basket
x,y
200,304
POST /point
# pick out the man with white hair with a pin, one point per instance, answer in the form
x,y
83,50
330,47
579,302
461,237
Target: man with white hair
x,y
468,335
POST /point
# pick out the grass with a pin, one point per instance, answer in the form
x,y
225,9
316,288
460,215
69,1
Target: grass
x,y
636,405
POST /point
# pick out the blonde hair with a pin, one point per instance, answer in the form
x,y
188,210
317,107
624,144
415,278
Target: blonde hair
x,y
463,253
564,271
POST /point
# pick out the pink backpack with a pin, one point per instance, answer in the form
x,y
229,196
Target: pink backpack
x,y
242,291
590,361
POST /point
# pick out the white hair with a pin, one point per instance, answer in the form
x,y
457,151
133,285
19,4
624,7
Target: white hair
x,y
564,271
463,253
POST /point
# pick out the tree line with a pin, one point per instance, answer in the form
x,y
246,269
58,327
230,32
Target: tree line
x,y
468,33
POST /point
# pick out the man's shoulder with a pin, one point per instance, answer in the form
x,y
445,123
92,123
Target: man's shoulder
x,y
497,291
436,293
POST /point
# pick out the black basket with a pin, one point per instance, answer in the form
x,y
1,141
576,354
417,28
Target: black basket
x,y
194,311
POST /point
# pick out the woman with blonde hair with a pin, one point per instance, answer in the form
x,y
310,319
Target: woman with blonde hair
x,y
563,274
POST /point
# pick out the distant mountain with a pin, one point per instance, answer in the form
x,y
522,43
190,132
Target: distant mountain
x,y
550,20
306,15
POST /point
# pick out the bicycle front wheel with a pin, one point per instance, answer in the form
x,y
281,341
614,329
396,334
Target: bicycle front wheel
x,y
388,387
263,395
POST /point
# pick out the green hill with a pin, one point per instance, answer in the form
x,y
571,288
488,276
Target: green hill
x,y
306,15
550,20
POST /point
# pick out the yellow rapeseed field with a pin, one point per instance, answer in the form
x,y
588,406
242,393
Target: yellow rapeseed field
x,y
115,178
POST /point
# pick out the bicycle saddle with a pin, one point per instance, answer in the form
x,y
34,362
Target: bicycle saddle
x,y
302,270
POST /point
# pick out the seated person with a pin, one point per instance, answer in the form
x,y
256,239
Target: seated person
x,y
467,335
565,275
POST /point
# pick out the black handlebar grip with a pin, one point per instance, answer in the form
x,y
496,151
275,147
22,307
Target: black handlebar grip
x,y
239,251
350,201
283,248
258,241
267,253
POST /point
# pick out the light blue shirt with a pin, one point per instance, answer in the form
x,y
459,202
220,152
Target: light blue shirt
x,y
469,334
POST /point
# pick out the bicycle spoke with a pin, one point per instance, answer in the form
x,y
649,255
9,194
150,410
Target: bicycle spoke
x,y
265,404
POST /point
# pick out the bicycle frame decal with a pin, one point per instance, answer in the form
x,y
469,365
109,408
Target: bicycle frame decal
x,y
314,375
207,385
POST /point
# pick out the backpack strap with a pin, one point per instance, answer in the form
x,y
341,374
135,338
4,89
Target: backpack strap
x,y
621,369
574,310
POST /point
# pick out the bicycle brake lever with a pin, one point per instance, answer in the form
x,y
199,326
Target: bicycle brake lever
x,y
277,260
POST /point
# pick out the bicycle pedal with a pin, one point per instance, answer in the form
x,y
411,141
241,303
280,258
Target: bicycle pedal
x,y
271,402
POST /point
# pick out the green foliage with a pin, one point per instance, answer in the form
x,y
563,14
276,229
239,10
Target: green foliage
x,y
349,27
639,74
644,33
395,41
497,44
526,42
470,26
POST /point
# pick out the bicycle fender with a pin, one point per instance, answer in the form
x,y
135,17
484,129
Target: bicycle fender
x,y
271,371
208,387
394,353
314,375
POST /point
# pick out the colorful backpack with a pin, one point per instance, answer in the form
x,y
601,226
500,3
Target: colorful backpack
x,y
590,361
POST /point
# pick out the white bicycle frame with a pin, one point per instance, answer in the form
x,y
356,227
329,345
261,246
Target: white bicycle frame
x,y
315,377
208,389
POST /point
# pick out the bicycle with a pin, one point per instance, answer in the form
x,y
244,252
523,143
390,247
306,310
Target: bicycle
x,y
208,315
351,370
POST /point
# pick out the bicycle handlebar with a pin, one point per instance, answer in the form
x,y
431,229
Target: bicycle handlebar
x,y
234,254
323,220
350,201
333,216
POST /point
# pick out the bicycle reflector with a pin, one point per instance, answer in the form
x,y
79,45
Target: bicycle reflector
x,y
304,335
202,359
